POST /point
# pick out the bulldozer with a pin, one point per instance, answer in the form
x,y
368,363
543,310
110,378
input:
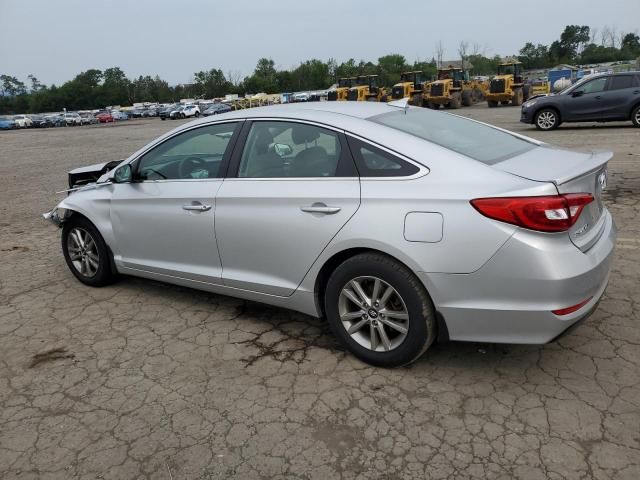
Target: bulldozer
x,y
340,92
410,86
508,87
366,89
452,89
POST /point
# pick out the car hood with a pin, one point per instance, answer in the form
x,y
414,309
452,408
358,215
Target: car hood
x,y
91,173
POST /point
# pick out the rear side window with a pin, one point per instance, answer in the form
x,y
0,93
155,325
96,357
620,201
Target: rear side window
x,y
620,82
375,162
483,143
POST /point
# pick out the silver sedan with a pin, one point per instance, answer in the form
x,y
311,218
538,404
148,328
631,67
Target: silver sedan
x,y
398,225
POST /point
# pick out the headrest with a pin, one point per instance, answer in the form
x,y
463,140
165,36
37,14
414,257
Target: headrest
x,y
304,134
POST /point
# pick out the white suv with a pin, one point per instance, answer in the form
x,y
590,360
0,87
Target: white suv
x,y
72,119
190,111
22,121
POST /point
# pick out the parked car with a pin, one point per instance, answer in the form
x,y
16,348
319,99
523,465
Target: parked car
x,y
597,98
190,111
176,112
165,112
119,116
88,119
216,109
72,119
104,117
22,121
7,123
57,120
377,218
136,113
40,121
150,112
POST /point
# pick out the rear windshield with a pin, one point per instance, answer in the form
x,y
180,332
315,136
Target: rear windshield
x,y
480,142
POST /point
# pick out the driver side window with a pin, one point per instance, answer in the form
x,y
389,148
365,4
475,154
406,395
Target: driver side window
x,y
193,155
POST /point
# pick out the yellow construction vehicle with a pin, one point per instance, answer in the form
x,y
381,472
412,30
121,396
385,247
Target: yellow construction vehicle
x,y
410,86
367,90
452,89
508,87
340,92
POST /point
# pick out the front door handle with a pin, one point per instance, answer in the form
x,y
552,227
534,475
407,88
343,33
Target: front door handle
x,y
320,208
197,207
598,97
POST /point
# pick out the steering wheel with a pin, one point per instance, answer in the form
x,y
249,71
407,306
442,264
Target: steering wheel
x,y
188,165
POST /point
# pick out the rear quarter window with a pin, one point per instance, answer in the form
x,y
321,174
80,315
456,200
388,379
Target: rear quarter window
x,y
475,140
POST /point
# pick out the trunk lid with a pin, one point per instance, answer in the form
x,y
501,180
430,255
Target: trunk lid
x,y
571,172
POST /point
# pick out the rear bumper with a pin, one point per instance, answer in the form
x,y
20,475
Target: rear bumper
x,y
511,298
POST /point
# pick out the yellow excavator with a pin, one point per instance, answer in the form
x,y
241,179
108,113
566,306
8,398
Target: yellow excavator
x,y
508,86
410,86
366,89
452,89
340,92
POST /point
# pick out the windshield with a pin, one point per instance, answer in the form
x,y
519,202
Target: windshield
x,y
475,140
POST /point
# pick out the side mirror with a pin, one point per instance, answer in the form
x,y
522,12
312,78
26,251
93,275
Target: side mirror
x,y
123,174
577,93
282,149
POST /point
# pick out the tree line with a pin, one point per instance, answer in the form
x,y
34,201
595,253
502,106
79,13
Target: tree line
x,y
96,88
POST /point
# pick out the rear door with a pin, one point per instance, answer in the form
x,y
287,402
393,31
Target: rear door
x,y
290,190
586,106
617,99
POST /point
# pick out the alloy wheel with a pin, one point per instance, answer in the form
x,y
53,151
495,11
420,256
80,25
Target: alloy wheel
x,y
373,313
638,116
546,120
83,252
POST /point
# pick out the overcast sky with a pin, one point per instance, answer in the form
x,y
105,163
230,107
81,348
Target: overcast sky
x,y
56,39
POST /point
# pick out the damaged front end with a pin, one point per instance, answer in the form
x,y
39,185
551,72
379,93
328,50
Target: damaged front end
x,y
83,178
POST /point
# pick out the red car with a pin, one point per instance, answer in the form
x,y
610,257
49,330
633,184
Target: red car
x,y
104,117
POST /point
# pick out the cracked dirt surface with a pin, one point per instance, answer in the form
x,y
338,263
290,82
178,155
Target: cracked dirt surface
x,y
154,381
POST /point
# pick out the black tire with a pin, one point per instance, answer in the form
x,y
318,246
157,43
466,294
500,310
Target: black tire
x,y
492,103
163,118
505,102
456,100
103,274
516,98
546,119
197,114
467,99
433,106
635,116
526,92
421,323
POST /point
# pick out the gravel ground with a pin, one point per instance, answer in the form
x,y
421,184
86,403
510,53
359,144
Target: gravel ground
x,y
145,380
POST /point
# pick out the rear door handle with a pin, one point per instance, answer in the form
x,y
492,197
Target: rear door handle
x,y
197,207
598,97
321,208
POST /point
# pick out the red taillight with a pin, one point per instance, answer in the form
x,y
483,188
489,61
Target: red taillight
x,y
574,308
553,213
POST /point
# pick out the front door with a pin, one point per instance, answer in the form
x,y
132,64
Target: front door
x,y
586,106
164,221
294,187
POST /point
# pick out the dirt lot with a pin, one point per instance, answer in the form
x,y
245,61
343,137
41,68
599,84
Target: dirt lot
x,y
145,380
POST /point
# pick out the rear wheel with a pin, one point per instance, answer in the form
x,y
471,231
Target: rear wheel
x,y
433,106
635,116
85,252
379,310
526,92
547,119
197,114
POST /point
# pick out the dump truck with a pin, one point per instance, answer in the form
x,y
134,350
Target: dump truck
x,y
452,89
366,89
411,86
508,87
342,89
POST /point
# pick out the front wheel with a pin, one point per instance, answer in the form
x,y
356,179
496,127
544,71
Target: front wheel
x,y
85,252
379,310
197,114
547,119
